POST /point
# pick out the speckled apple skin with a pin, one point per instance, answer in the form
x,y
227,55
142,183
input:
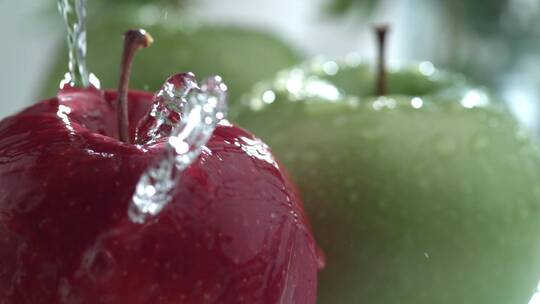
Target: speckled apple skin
x,y
235,231
414,201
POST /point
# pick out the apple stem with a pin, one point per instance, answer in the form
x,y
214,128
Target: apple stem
x,y
134,40
380,86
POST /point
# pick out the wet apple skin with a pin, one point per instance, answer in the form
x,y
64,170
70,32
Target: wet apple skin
x,y
235,231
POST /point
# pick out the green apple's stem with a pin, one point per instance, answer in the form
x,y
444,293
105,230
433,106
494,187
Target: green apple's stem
x,y
380,32
134,40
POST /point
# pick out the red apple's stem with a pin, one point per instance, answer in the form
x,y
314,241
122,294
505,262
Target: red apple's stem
x,y
380,32
134,40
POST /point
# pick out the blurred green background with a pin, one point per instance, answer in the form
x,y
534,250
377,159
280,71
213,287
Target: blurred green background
x,y
495,42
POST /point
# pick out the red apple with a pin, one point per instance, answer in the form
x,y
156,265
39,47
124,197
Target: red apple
x,y
234,232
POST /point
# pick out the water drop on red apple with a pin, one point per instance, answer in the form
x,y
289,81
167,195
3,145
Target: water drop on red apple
x,y
167,104
99,263
187,115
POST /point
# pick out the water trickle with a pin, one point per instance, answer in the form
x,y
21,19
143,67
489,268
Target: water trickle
x,y
99,264
199,110
74,14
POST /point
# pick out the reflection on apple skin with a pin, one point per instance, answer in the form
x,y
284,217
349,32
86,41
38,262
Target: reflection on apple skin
x,y
235,231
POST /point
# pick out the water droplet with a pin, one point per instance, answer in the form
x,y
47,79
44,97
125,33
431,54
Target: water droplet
x,y
475,98
301,86
198,115
167,105
426,68
330,68
384,102
269,96
294,83
417,102
321,258
257,149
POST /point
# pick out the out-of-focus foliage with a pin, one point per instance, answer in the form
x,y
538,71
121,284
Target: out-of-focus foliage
x,y
157,2
338,7
480,15
482,38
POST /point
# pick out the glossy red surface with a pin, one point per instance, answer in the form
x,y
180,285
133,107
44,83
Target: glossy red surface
x,y
235,232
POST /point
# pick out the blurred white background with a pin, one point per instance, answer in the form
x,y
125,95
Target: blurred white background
x,y
29,38
31,34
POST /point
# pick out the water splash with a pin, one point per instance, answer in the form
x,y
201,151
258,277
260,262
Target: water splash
x,y
167,106
74,14
199,111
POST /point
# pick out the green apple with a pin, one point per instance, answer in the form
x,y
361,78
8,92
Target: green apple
x,y
232,52
430,194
